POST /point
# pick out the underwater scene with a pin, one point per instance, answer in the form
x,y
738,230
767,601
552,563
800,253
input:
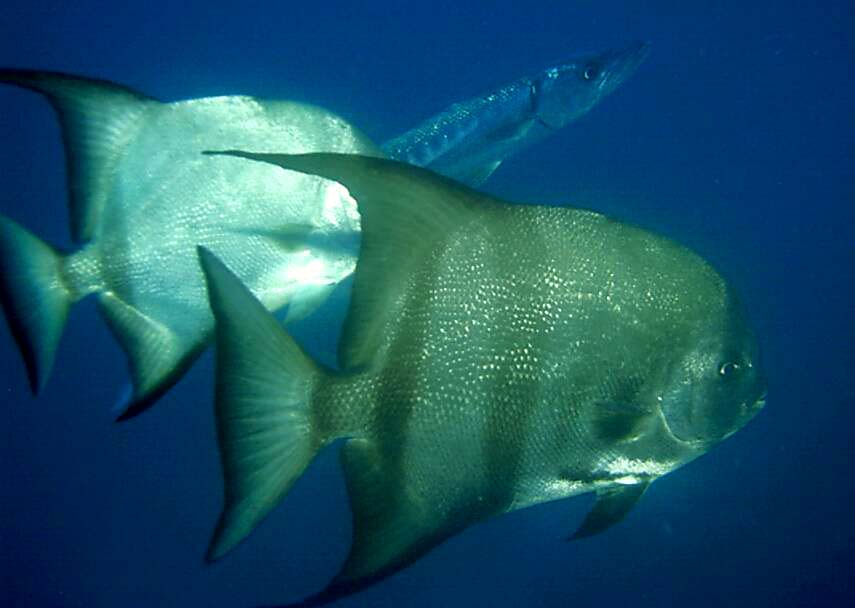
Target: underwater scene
x,y
426,304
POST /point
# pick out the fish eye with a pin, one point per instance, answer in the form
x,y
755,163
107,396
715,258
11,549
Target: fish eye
x,y
591,71
728,369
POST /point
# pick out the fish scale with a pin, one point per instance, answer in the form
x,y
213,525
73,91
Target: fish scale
x,y
495,356
142,196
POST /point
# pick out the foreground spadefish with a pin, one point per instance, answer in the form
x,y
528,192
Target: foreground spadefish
x,y
494,356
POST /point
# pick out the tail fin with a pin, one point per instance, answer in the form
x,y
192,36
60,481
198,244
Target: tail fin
x,y
98,119
263,391
34,297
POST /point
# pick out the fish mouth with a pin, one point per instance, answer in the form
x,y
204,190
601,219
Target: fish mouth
x,y
758,403
622,64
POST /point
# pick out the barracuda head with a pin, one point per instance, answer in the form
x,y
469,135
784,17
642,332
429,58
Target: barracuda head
x,y
564,92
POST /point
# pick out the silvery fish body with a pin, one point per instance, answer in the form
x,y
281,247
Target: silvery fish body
x,y
143,196
494,356
470,139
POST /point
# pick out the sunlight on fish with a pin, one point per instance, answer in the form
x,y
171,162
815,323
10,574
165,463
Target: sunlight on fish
x,y
142,197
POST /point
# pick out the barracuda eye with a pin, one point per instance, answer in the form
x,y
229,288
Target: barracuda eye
x,y
591,71
728,369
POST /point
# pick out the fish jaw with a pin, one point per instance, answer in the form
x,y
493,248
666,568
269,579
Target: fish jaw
x,y
622,64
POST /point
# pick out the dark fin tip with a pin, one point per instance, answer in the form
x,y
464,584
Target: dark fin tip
x,y
326,596
19,335
239,153
137,407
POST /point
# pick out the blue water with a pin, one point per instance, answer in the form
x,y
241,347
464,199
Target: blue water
x,y
735,137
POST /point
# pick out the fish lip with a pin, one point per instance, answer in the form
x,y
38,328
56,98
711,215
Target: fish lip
x,y
622,64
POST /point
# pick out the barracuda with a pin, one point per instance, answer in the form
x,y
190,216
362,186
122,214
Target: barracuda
x,y
470,139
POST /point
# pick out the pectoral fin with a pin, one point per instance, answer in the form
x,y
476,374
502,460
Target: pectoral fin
x,y
612,505
292,238
289,237
620,421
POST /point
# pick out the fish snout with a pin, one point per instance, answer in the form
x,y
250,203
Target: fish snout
x,y
632,56
623,63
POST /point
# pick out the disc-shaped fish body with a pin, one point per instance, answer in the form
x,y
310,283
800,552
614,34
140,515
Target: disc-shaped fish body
x,y
143,196
494,356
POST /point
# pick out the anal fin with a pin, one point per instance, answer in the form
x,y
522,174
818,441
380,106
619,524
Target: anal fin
x,y
391,528
156,357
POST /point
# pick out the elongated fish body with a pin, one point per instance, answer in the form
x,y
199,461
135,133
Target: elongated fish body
x,y
494,356
143,197
470,139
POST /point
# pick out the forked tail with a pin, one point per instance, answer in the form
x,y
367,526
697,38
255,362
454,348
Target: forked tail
x,y
35,297
263,403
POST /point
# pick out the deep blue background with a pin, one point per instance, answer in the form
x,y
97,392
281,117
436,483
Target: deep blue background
x,y
735,137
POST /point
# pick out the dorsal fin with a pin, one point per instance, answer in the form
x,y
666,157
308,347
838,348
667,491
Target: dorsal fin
x,y
405,213
98,120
